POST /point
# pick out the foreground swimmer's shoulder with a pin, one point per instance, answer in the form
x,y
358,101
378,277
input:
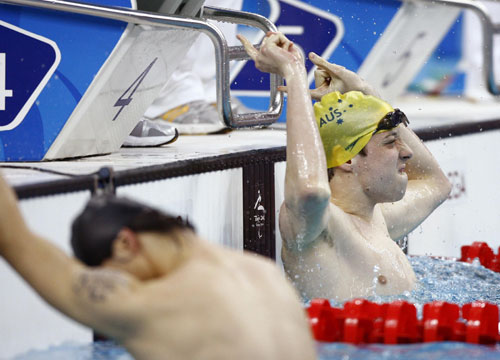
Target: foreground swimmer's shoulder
x,y
100,285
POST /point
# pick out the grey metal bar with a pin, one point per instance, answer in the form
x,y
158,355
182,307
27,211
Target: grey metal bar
x,y
180,22
169,7
489,29
191,8
122,14
237,52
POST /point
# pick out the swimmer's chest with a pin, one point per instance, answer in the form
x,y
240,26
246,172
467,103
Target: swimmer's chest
x,y
366,248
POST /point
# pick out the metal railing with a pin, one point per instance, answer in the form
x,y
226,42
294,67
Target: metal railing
x,y
223,53
239,53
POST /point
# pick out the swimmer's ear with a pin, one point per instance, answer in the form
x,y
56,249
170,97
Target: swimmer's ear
x,y
347,166
125,246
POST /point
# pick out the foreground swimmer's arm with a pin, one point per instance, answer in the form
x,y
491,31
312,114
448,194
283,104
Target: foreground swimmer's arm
x,y
427,188
97,298
303,215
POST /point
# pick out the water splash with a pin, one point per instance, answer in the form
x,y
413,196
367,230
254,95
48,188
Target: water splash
x,y
447,280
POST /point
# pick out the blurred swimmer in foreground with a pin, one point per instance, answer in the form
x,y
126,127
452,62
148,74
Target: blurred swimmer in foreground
x,y
147,280
357,178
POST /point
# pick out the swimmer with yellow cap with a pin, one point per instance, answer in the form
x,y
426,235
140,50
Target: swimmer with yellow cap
x,y
348,121
356,180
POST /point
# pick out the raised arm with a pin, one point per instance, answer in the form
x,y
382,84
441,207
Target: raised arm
x,y
329,77
427,188
303,214
97,298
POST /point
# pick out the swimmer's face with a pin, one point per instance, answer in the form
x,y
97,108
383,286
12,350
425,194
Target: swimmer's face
x,y
382,170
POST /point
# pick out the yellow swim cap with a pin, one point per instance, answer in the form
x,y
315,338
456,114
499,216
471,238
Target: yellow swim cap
x,y
347,122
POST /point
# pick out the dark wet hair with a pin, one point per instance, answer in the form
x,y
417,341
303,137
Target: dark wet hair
x,y
331,174
95,229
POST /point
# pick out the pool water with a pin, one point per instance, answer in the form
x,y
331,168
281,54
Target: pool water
x,y
71,351
334,351
445,280
425,351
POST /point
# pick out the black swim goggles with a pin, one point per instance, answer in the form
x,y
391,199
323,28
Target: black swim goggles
x,y
391,120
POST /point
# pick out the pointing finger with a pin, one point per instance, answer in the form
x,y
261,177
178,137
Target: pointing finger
x,y
317,60
249,48
322,63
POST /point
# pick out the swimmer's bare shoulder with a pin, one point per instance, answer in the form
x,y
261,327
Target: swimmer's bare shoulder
x,y
100,286
91,297
107,300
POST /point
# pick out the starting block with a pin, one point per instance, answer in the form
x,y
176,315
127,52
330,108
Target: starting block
x,y
404,47
76,77
75,85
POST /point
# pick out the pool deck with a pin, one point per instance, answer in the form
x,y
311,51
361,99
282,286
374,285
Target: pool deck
x,y
424,113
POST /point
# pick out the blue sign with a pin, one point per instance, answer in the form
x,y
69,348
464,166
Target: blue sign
x,y
27,61
343,32
340,31
307,26
85,43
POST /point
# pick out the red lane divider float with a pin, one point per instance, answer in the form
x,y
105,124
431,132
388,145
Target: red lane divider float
x,y
481,251
364,322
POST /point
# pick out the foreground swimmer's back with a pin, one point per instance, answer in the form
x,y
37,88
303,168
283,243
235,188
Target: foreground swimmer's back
x,y
153,285
222,305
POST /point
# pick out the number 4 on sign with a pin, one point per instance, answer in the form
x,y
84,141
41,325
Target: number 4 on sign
x,y
124,101
4,93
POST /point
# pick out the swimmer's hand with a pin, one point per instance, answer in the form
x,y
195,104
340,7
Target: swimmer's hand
x,y
277,54
332,77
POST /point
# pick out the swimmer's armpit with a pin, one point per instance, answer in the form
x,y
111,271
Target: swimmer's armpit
x,y
98,285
